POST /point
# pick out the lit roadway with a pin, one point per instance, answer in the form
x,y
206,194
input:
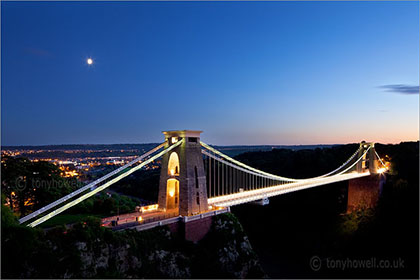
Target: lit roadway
x,y
129,219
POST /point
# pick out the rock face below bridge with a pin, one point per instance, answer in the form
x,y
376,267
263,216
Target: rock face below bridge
x,y
225,252
363,193
91,251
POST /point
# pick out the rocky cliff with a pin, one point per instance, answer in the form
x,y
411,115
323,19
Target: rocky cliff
x,y
89,251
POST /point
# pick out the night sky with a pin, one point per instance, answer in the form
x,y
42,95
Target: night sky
x,y
243,72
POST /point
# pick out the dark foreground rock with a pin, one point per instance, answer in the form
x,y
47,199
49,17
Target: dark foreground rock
x,y
90,251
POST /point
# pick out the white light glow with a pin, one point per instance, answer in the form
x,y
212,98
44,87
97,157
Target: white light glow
x,y
89,61
381,170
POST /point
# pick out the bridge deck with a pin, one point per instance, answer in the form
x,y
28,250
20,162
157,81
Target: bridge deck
x,y
252,195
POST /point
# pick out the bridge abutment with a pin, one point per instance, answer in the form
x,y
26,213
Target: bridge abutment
x,y
364,192
192,231
196,230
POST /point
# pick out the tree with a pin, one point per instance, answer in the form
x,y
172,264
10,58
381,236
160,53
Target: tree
x,y
30,185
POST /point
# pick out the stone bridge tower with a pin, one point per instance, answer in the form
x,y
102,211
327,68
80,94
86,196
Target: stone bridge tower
x,y
369,160
182,184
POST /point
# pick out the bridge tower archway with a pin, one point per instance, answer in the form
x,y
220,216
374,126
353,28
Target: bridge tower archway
x,y
183,179
172,183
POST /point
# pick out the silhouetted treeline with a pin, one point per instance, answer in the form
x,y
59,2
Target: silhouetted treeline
x,y
299,163
143,184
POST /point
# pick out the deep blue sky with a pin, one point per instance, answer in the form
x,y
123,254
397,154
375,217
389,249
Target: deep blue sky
x,y
244,72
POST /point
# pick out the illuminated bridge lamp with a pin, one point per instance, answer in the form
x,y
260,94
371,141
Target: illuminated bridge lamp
x,y
171,193
381,170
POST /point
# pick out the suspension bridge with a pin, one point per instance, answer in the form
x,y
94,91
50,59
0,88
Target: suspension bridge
x,y
198,181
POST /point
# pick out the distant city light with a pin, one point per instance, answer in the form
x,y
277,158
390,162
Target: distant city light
x,y
89,61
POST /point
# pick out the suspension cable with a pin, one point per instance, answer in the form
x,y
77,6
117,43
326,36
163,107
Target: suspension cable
x,y
348,168
383,164
272,175
246,166
90,185
257,172
341,166
102,187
